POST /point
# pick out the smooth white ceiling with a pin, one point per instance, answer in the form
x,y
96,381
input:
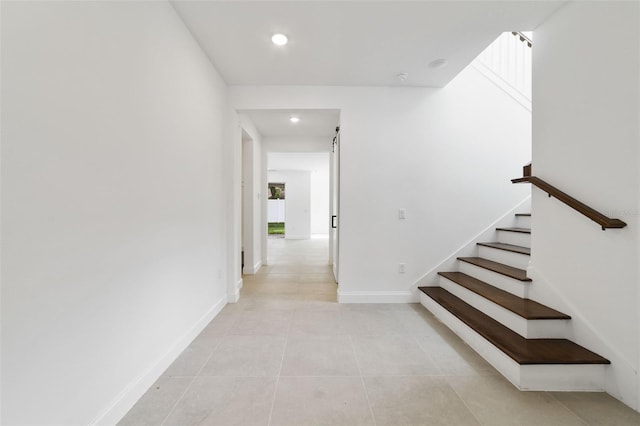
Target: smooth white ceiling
x,y
351,43
313,122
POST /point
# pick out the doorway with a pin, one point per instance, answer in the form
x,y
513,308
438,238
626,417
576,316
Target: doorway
x,y
304,207
276,209
267,132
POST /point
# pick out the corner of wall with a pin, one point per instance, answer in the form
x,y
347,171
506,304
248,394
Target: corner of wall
x,y
234,294
250,270
621,381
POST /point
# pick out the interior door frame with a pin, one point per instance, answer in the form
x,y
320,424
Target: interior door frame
x,y
334,206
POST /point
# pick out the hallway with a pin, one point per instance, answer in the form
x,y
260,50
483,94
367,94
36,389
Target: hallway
x,y
288,354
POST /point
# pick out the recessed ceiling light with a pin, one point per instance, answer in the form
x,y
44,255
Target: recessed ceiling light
x,y
279,39
438,63
294,119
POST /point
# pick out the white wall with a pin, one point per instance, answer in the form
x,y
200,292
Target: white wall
x,y
253,189
113,212
297,144
297,224
586,142
319,191
445,155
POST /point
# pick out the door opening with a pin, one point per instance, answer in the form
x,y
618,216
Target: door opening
x,y
276,210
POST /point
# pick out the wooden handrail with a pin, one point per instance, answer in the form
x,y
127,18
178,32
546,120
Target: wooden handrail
x,y
596,216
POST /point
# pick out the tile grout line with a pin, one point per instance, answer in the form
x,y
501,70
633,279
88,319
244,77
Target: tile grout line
x,y
275,390
366,393
173,408
446,381
415,339
463,401
215,347
584,421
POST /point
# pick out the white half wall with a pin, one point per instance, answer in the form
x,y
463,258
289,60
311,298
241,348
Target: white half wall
x,y
586,134
113,215
275,211
445,155
297,202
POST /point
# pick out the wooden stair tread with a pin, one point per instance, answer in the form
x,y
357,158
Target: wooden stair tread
x,y
525,308
508,247
523,214
521,350
518,230
500,268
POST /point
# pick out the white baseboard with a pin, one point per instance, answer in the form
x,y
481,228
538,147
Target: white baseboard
x,y
253,269
378,296
122,403
234,294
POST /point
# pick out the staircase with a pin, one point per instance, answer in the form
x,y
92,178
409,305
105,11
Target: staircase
x,y
485,302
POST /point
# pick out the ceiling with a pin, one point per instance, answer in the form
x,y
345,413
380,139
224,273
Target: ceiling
x,y
351,43
276,123
317,162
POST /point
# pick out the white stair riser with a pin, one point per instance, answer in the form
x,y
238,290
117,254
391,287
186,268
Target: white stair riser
x,y
510,258
513,286
523,221
525,377
547,329
494,356
530,329
515,238
563,377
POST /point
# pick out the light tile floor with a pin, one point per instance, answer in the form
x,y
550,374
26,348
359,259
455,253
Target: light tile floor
x,y
288,354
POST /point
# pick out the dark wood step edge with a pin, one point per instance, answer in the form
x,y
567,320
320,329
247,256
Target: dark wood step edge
x,y
521,350
518,230
500,268
507,247
525,308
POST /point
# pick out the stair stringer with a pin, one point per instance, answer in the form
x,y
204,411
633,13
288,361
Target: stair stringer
x,y
620,382
539,377
469,249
